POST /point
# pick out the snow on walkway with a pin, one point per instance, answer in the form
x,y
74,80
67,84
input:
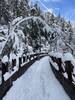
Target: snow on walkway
x,y
38,83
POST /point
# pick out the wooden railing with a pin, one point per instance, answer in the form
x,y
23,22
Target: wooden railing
x,y
24,63
68,86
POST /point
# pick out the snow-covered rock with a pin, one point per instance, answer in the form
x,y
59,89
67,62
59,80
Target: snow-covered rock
x,y
68,57
5,59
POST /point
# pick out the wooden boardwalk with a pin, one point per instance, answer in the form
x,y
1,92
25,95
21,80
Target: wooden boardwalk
x,y
9,83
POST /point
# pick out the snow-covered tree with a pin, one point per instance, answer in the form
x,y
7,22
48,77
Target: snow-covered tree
x,y
52,19
23,8
70,32
4,13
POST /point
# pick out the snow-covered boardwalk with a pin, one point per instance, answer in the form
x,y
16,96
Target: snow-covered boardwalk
x,y
38,83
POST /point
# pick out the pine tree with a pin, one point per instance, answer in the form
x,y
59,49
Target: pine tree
x,y
4,13
63,26
15,8
70,32
58,19
52,19
23,11
18,8
38,10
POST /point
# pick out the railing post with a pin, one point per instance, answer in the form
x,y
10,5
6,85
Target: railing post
x,y
13,63
59,62
23,59
10,69
29,58
1,75
69,69
20,62
26,58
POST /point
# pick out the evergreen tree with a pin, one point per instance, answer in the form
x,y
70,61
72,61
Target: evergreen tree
x,y
23,11
70,32
18,8
58,19
15,8
63,26
38,10
52,19
4,13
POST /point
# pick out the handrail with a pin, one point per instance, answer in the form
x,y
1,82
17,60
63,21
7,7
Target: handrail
x,y
9,82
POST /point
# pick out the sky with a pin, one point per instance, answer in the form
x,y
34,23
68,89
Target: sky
x,y
66,8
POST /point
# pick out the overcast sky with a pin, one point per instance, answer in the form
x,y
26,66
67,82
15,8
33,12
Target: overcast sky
x,y
65,7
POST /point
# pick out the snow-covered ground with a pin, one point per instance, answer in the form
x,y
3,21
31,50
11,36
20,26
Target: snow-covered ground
x,y
38,83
